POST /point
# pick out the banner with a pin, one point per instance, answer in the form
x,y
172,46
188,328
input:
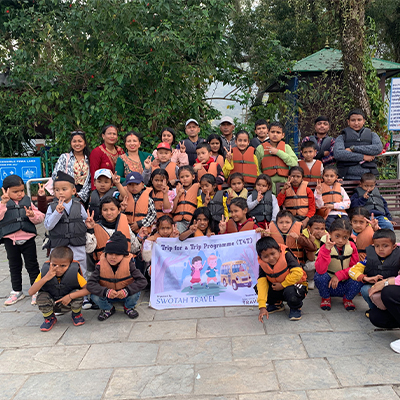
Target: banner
x,y
202,272
394,105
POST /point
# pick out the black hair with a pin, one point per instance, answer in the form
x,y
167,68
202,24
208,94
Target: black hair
x,y
321,118
62,252
307,144
164,218
134,133
264,177
385,234
196,258
82,134
341,224
203,145
158,171
359,211
283,214
209,178
188,168
368,177
236,175
266,243
316,219
356,111
207,213
331,167
277,124
243,132
104,130
11,181
108,200
297,168
260,122
171,131
217,137
240,202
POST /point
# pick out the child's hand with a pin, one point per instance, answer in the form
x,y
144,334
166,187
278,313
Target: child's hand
x,y
179,190
165,188
318,188
368,158
277,286
329,206
147,163
259,196
175,232
329,244
51,273
134,226
366,196
5,197
372,279
229,155
207,199
393,222
182,147
29,212
209,233
90,220
374,222
65,300
116,179
294,235
333,283
193,227
197,167
41,192
155,163
121,294
311,236
222,225
263,313
60,208
230,194
142,232
112,294
305,222
124,203
287,185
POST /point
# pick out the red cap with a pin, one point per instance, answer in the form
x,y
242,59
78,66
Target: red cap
x,y
164,145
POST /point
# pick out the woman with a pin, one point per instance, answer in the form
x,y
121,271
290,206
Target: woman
x,y
76,164
133,160
105,155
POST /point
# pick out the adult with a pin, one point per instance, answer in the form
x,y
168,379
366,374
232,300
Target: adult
x,y
105,155
323,142
192,130
227,126
134,159
76,164
356,148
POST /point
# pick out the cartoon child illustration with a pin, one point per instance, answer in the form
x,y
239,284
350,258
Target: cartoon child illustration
x,y
197,266
212,270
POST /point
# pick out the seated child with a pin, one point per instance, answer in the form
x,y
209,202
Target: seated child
x,y
61,288
240,219
315,231
163,197
18,217
280,278
296,197
263,205
205,164
236,188
312,168
116,279
217,149
200,225
382,261
261,131
242,159
335,258
367,195
331,200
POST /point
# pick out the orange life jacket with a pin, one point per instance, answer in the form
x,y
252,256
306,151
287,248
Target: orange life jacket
x,y
330,196
198,233
363,240
288,240
158,199
102,236
187,203
314,174
170,168
122,277
136,211
231,226
220,160
272,164
245,164
297,203
212,169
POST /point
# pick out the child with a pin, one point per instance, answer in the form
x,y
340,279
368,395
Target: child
x,y
242,159
296,197
212,270
140,209
382,262
261,131
240,220
212,198
280,279
335,258
163,197
116,279
185,201
18,217
315,231
196,267
205,164
61,287
367,195
217,150
200,225
103,182
263,205
312,168
274,156
236,188
331,200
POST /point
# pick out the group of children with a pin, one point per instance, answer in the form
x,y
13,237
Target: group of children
x,y
103,255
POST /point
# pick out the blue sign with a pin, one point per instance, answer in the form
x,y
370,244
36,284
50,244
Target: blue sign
x,y
27,168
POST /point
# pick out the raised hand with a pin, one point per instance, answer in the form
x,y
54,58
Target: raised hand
x,y
124,203
175,232
366,194
147,163
197,167
206,200
41,191
142,232
193,227
329,244
116,179
259,196
60,207
374,222
229,155
5,197
165,187
182,147
288,184
29,212
318,188
51,273
179,190
90,220
222,225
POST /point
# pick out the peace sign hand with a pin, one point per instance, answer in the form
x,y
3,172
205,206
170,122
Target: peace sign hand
x,y
318,188
229,156
5,197
60,207
41,191
147,162
165,187
124,203
374,223
182,146
259,196
116,179
222,225
193,227
175,232
179,190
329,244
288,184
90,220
29,212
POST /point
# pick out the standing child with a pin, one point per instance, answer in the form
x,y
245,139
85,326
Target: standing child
x,y
312,168
163,197
240,219
205,164
261,131
280,278
212,270
335,258
297,197
61,288
217,150
18,217
200,225
236,188
331,200
263,205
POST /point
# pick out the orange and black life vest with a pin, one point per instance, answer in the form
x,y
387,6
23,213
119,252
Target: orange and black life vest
x,y
212,169
158,199
286,239
314,174
297,203
118,280
272,164
330,196
220,160
231,226
245,164
137,210
170,168
363,240
187,204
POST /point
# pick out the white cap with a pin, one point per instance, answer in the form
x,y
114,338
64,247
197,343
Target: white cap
x,y
191,120
103,172
227,119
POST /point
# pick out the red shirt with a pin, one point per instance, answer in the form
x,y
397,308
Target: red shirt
x,y
311,200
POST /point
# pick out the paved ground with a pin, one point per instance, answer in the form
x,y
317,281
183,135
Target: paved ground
x,y
199,354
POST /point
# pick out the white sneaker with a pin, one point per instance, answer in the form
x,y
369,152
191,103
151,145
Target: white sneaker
x,y
311,284
14,297
395,346
33,299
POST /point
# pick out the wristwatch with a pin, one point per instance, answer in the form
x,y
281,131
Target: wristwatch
x,y
387,282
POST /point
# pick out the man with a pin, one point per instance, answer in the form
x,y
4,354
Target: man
x,y
192,130
227,126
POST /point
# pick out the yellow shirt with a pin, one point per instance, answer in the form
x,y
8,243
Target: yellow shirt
x,y
228,167
226,212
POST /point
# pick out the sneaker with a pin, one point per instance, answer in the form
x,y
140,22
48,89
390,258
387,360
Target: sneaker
x,y
395,346
131,313
311,284
94,305
105,314
367,313
14,297
294,315
348,304
272,308
33,299
86,305
77,319
48,323
325,304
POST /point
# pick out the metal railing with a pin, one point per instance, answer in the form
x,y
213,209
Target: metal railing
x,y
30,181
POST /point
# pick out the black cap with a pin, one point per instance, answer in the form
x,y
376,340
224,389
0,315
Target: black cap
x,y
117,244
321,118
63,177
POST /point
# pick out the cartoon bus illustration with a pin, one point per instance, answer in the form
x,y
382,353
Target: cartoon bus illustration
x,y
235,273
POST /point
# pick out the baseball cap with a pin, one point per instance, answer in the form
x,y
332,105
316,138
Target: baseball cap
x,y
164,145
133,177
191,120
227,119
103,172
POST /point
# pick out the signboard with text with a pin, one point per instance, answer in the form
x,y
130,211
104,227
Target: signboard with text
x,y
394,105
25,167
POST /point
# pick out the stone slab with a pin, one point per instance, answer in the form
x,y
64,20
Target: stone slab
x,y
10,320
10,384
195,351
82,385
65,319
356,321
151,382
305,374
241,311
359,393
113,355
163,330
189,313
274,396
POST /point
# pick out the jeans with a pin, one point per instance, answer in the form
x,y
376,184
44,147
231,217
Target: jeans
x,y
384,223
107,304
347,288
365,295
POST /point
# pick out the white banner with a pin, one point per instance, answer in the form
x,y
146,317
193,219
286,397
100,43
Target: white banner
x,y
394,105
201,272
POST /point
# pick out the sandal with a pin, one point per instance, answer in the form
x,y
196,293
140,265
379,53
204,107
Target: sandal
x,y
348,304
326,304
